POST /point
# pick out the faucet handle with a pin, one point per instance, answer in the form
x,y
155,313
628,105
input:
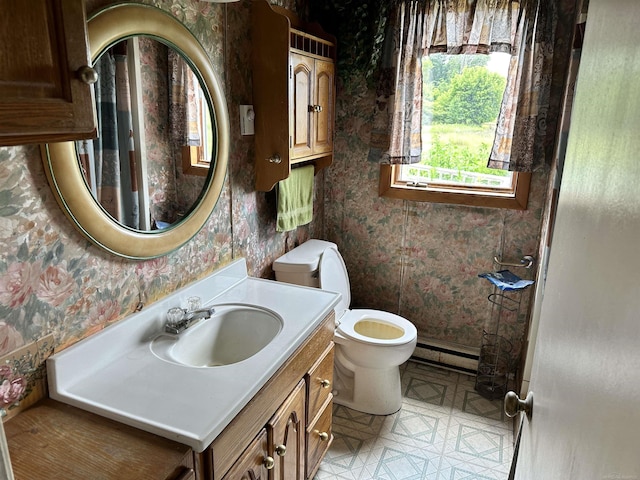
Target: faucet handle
x,y
175,316
193,304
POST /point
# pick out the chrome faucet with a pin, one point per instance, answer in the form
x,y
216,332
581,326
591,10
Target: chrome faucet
x,y
179,319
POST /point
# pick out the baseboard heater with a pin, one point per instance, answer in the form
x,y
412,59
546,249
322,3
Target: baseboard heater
x,y
451,356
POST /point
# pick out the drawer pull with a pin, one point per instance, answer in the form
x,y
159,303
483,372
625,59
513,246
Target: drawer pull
x,y
268,463
324,436
186,475
281,450
325,383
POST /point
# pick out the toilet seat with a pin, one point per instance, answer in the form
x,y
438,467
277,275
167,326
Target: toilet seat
x,y
373,327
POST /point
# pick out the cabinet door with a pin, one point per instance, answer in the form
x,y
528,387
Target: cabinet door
x,y
302,91
287,436
254,464
324,102
43,44
319,437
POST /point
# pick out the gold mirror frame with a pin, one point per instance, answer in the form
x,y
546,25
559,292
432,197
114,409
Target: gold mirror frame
x,y
61,162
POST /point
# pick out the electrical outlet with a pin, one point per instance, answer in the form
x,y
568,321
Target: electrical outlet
x,y
247,116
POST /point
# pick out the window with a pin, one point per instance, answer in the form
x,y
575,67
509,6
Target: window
x,y
196,155
461,102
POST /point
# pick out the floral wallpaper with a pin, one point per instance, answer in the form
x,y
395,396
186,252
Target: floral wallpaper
x,y
419,260
57,285
422,260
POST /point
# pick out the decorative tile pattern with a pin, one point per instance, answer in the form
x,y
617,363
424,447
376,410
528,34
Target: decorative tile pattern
x,y
444,431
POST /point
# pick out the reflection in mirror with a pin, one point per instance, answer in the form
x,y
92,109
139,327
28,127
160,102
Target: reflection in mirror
x,y
151,140
147,167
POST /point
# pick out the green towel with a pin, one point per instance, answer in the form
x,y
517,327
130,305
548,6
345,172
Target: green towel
x,y
295,199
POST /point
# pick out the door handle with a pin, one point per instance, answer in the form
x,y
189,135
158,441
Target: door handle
x,y
513,404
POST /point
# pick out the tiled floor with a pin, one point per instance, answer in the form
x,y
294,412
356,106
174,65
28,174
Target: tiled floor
x,y
444,431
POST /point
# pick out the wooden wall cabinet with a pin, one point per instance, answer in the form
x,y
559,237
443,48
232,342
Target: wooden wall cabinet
x,y
45,92
311,112
293,93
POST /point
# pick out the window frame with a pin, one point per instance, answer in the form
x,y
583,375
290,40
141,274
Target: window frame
x,y
516,199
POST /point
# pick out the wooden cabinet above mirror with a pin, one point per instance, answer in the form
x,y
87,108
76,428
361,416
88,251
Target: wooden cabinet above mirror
x,y
293,93
44,95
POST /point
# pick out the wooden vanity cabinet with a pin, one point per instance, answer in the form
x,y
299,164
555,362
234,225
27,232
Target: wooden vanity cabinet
x,y
278,452
43,50
293,64
281,434
319,410
293,401
287,437
252,464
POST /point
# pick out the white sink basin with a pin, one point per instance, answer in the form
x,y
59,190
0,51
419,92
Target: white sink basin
x,y
133,373
233,333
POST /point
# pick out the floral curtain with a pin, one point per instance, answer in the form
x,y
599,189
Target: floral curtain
x,y
184,108
528,119
417,28
109,162
530,30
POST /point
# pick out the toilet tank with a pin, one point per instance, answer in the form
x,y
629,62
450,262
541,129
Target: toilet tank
x,y
300,265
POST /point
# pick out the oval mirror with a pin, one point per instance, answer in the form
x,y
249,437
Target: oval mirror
x,y
126,195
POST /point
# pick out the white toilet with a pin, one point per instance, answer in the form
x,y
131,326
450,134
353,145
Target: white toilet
x,y
370,344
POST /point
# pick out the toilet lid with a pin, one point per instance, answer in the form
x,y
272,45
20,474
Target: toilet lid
x,y
334,278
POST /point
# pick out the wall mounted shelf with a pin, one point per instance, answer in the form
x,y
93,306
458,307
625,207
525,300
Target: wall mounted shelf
x,y
293,93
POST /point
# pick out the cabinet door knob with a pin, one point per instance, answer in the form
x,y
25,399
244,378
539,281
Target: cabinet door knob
x,y
325,383
268,463
275,158
318,108
324,436
87,74
281,450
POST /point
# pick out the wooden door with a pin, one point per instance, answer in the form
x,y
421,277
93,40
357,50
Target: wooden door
x,y
43,45
586,369
324,82
253,464
287,436
302,91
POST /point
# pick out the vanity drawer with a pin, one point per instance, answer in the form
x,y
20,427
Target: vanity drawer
x,y
320,383
319,437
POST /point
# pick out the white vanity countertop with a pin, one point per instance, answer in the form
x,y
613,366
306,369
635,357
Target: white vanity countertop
x,y
114,373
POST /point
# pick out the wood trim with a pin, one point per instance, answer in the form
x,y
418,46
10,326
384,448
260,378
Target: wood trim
x,y
52,440
270,69
191,164
388,189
